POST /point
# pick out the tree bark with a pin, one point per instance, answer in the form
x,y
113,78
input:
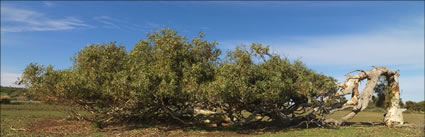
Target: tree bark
x,y
394,116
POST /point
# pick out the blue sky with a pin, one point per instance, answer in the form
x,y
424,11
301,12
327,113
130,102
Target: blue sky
x,y
330,37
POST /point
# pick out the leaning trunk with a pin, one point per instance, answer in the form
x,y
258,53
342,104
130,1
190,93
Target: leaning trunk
x,y
360,101
394,116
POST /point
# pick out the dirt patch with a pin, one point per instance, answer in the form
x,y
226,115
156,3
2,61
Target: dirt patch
x,y
206,134
59,127
173,131
155,132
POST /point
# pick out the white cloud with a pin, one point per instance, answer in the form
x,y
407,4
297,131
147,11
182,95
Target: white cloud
x,y
362,49
18,20
9,79
119,23
394,46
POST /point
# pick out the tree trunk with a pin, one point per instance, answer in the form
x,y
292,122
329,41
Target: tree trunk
x,y
394,116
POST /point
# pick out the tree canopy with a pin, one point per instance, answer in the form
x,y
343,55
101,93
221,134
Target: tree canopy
x,y
170,78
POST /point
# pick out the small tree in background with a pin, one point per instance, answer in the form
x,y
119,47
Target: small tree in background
x,y
383,94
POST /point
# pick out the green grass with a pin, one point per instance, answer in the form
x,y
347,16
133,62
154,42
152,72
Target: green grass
x,y
20,116
410,118
359,129
350,131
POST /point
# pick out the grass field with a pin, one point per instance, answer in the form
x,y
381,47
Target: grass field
x,y
49,120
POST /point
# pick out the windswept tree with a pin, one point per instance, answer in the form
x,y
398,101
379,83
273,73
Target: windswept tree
x,y
168,78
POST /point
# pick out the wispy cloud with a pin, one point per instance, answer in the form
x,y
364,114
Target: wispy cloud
x,y
401,45
108,22
49,4
119,23
251,4
19,20
397,46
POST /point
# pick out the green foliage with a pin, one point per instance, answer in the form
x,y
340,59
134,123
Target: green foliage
x,y
166,76
383,94
167,73
160,76
269,88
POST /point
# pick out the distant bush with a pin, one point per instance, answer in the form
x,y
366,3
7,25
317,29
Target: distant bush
x,y
413,106
5,100
12,92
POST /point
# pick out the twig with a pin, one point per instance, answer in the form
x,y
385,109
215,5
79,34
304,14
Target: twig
x,y
19,129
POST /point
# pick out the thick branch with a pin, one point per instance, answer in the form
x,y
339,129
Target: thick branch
x,y
360,101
